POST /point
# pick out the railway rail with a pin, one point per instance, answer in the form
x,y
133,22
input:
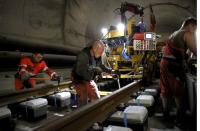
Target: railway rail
x,y
79,119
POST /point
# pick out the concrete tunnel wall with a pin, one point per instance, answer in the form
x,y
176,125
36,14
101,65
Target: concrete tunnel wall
x,y
74,23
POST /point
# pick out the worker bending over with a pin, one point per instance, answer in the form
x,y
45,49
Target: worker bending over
x,y
29,67
172,67
88,66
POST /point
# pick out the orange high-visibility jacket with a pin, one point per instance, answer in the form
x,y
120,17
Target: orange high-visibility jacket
x,y
26,64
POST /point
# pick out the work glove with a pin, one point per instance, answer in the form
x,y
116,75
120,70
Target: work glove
x,y
55,77
97,70
97,77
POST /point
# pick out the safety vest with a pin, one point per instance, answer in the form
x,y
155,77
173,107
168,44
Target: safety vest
x,y
26,64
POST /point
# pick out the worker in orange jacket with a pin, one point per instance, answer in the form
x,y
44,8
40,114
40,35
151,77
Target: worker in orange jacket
x,y
30,67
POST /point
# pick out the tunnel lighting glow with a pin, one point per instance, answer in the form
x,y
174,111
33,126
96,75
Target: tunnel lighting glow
x,y
120,27
104,31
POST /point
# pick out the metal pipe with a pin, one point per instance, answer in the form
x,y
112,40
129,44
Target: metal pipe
x,y
11,59
23,46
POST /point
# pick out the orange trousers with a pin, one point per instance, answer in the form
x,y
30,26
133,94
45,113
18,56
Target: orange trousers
x,y
172,84
87,90
19,84
172,78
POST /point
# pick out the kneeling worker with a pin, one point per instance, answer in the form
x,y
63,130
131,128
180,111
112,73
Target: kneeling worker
x,y
30,67
88,66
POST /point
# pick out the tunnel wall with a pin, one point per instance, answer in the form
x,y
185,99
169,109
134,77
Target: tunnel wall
x,y
74,23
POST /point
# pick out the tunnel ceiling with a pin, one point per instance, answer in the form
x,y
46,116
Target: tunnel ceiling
x,y
73,23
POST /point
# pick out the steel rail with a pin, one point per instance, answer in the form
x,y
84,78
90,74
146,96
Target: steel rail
x,y
98,111
22,95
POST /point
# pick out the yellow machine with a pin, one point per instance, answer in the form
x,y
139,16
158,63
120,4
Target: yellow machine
x,y
130,57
